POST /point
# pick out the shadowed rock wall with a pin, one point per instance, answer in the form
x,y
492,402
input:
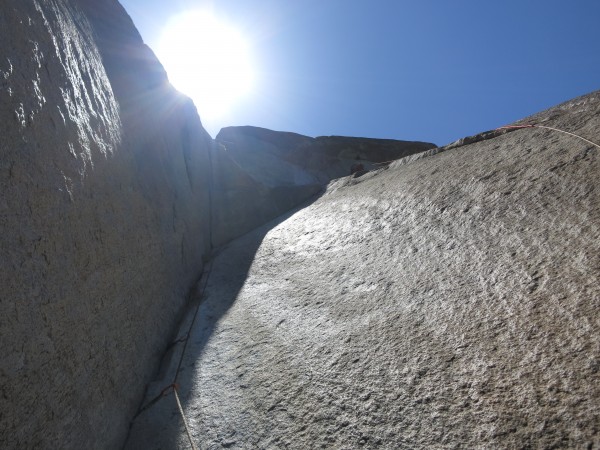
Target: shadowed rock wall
x,y
277,157
260,173
242,203
104,177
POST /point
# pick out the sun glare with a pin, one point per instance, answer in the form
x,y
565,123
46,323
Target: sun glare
x,y
207,60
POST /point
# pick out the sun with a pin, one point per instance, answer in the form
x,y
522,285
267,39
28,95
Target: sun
x,y
208,60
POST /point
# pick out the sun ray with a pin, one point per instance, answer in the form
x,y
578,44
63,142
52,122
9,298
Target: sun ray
x,y
207,60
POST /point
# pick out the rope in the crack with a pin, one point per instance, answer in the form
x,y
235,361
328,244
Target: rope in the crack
x,y
174,386
185,422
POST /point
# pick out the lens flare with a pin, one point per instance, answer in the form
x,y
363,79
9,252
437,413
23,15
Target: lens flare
x,y
207,60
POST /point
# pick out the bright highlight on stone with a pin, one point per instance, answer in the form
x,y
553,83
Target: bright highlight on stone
x,y
207,60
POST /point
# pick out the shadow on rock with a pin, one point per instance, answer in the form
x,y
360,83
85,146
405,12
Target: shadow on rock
x,y
158,424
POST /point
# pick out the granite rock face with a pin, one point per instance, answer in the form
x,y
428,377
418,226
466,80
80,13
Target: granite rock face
x,y
260,173
104,176
112,196
242,202
305,160
450,301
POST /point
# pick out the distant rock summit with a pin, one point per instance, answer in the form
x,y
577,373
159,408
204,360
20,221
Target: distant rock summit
x,y
263,173
277,158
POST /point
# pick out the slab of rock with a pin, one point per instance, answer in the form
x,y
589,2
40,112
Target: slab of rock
x,y
104,175
451,302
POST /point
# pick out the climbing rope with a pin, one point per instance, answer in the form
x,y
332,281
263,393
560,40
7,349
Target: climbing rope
x,y
189,332
185,423
508,127
187,339
174,386
516,127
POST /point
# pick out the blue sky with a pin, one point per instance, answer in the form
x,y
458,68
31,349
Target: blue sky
x,y
431,70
